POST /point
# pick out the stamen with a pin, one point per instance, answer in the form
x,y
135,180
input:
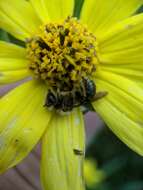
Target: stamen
x,y
62,53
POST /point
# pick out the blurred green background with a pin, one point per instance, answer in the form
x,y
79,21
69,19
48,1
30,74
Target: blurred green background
x,y
123,169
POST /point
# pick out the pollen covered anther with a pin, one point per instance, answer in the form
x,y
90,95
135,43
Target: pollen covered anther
x,y
63,53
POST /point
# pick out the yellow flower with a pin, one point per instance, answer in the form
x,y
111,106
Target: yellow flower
x,y
93,176
105,47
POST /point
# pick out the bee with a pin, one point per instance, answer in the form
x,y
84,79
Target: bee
x,y
67,100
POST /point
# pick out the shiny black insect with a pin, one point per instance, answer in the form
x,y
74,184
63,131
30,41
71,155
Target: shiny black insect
x,y
78,152
67,100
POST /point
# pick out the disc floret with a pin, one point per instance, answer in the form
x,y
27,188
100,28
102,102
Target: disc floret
x,y
63,53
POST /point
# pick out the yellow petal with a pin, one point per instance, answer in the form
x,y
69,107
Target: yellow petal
x,y
53,10
132,71
23,120
123,43
120,50
92,174
40,8
7,77
63,153
100,15
13,63
8,50
122,108
18,18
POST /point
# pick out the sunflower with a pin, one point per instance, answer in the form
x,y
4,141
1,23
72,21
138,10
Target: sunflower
x,y
69,62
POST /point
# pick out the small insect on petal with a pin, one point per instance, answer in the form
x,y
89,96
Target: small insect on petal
x,y
78,152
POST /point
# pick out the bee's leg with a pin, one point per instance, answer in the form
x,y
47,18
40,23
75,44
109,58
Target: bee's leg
x,y
50,99
82,88
67,101
59,101
86,107
78,97
99,95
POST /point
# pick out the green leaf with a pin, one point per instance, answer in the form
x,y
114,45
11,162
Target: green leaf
x,y
78,6
134,185
4,35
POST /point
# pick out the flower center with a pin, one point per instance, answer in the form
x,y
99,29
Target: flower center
x,y
64,56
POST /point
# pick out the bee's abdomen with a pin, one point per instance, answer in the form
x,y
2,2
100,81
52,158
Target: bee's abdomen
x,y
90,88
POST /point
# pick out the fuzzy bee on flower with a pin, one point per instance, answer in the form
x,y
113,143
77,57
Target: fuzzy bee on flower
x,y
69,99
71,61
